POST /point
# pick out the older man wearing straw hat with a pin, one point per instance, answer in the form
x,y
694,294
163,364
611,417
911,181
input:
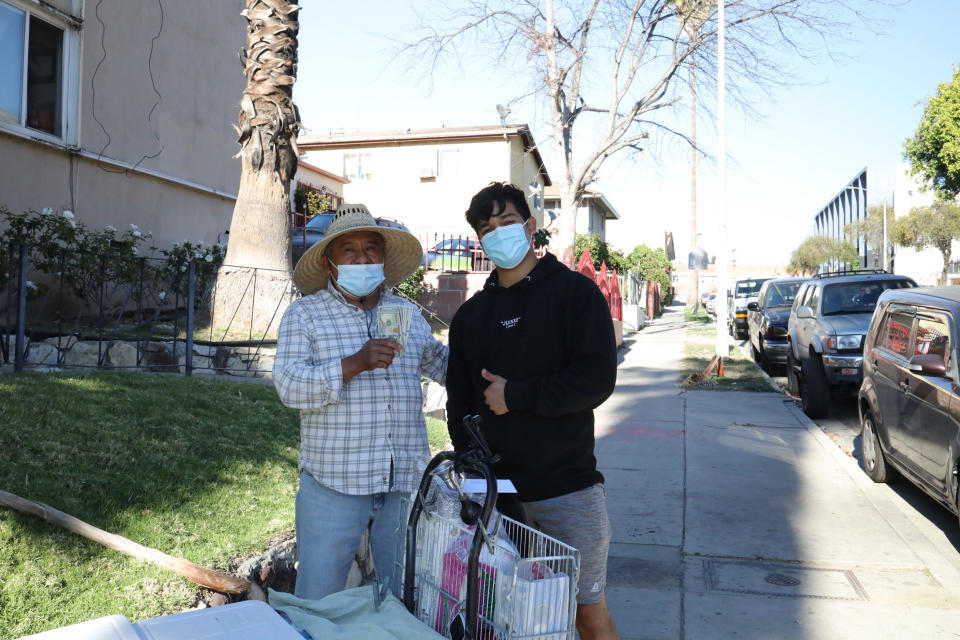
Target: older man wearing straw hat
x,y
363,438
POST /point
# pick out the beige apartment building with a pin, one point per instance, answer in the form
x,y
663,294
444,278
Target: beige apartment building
x,y
425,177
121,112
592,214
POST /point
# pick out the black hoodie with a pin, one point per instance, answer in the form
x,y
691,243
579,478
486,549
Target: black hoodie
x,y
551,336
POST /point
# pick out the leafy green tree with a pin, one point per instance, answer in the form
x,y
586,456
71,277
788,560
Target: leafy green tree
x,y
934,226
871,227
818,250
309,201
600,252
412,287
541,238
934,150
654,266
592,242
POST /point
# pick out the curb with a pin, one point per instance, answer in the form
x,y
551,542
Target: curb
x,y
941,568
947,573
773,383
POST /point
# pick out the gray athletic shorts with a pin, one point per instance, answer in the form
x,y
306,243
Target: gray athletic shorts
x,y
580,520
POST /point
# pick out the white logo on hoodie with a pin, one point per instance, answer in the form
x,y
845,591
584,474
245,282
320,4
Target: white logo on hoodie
x,y
511,323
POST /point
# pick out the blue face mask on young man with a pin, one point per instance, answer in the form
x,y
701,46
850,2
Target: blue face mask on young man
x,y
359,280
506,245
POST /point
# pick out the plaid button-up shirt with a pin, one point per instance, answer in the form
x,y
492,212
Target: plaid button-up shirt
x,y
351,432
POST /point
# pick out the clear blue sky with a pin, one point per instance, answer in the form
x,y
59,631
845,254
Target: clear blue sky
x,y
811,139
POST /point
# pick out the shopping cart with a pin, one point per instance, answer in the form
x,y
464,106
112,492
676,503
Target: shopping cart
x,y
471,573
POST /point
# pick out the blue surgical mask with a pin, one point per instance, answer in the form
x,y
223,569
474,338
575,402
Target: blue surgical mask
x,y
359,280
506,245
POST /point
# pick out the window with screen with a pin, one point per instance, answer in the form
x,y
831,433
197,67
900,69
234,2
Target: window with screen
x,y
31,69
358,166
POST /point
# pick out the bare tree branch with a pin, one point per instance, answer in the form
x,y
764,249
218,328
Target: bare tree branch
x,y
636,52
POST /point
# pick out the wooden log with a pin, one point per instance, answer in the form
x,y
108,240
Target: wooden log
x,y
202,576
715,364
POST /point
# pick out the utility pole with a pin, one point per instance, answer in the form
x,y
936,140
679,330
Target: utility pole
x,y
694,273
723,349
691,15
886,252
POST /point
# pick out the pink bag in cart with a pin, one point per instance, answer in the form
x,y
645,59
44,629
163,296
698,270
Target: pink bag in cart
x,y
453,583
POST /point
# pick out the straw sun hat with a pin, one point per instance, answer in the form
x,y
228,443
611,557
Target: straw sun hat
x,y
402,251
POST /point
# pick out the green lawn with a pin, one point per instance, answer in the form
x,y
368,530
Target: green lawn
x,y
450,262
437,434
202,469
701,315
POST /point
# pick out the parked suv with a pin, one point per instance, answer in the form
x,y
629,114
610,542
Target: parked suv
x,y
767,321
744,292
827,323
909,397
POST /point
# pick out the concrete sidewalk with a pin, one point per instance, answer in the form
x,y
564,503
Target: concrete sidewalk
x,y
735,517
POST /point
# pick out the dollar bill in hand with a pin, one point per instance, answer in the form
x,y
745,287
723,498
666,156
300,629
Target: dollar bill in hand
x,y
389,323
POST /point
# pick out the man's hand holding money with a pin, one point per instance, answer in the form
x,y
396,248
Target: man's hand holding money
x,y
376,353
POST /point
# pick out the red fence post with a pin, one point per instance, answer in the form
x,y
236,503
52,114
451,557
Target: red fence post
x,y
603,281
585,266
616,302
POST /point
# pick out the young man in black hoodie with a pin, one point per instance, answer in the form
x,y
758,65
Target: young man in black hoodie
x,y
534,353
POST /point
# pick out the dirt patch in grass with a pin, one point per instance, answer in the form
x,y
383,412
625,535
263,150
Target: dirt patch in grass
x,y
740,372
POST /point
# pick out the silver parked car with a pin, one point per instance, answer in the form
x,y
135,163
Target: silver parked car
x,y
828,320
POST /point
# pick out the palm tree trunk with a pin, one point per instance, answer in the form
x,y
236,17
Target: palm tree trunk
x,y
254,283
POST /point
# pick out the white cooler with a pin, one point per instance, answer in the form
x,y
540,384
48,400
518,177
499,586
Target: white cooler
x,y
250,620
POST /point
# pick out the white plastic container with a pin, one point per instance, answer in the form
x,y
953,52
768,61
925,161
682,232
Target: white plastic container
x,y
108,628
251,620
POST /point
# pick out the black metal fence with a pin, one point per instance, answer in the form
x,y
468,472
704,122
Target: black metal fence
x,y
140,313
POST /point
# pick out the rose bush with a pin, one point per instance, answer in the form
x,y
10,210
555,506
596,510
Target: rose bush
x,y
97,265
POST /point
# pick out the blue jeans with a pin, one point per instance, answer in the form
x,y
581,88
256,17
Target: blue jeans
x,y
330,526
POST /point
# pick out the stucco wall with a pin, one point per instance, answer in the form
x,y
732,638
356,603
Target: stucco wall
x,y
197,75
72,7
317,181
589,219
523,170
923,266
199,81
33,176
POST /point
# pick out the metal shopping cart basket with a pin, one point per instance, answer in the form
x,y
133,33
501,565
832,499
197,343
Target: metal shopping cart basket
x,y
471,573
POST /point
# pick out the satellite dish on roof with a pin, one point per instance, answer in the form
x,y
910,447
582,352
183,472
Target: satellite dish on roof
x,y
504,112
